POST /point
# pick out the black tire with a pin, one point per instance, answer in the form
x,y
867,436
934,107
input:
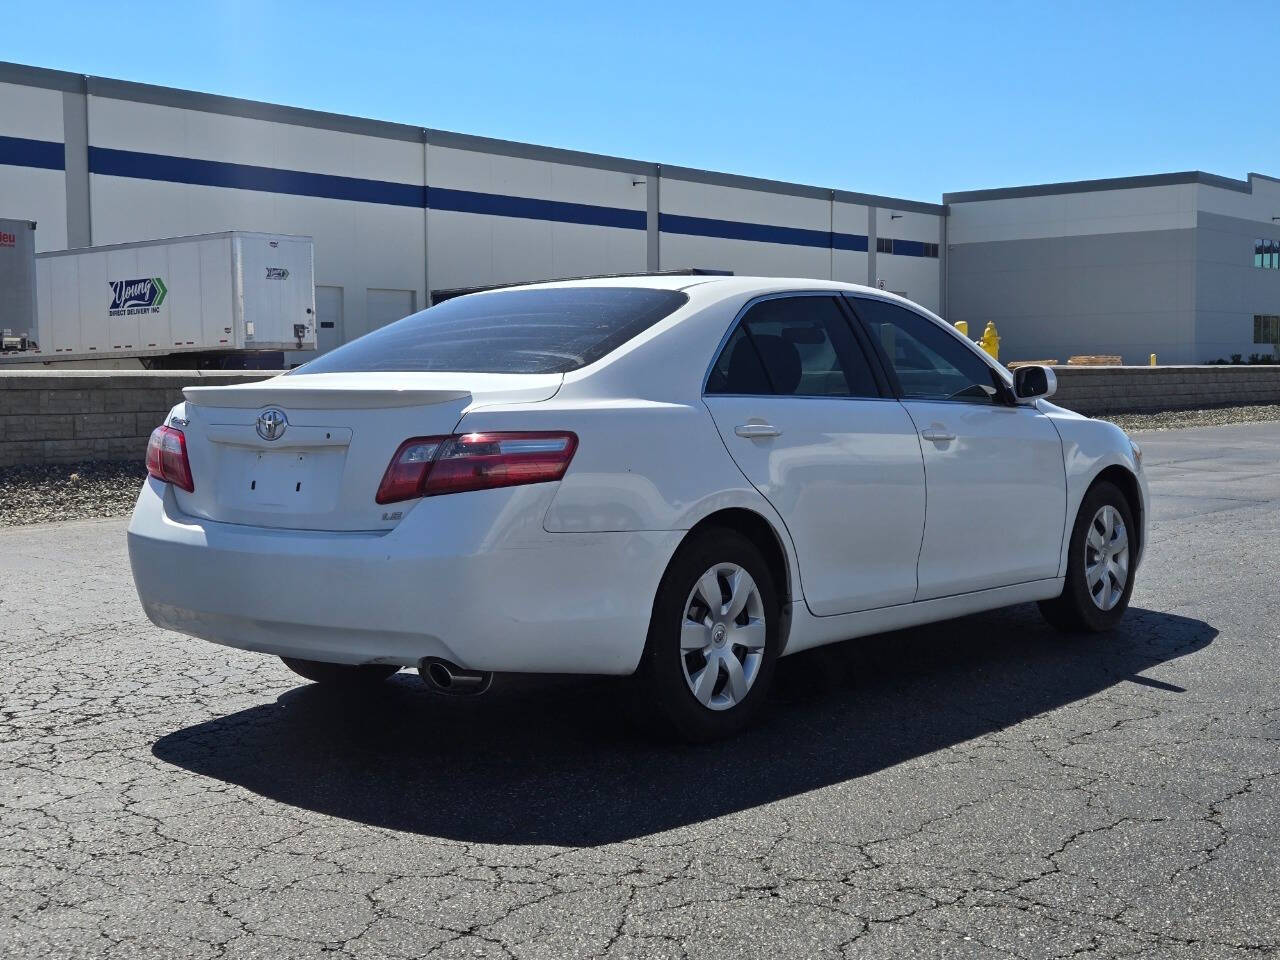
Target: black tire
x,y
341,675
1074,610
666,692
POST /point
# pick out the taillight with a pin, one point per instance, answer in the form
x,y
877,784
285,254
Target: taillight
x,y
406,475
167,458
429,466
478,461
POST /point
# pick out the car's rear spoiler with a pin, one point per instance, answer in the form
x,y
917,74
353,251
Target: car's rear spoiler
x,y
280,392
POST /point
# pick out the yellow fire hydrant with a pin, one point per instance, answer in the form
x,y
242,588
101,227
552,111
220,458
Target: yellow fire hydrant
x,y
1153,360
990,341
963,327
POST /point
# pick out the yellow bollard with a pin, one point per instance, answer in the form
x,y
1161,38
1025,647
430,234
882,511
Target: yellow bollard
x,y
1153,360
963,327
990,341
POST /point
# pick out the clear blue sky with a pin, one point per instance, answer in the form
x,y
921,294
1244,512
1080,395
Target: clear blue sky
x,y
907,99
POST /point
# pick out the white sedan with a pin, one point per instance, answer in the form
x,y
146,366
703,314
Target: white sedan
x,y
684,477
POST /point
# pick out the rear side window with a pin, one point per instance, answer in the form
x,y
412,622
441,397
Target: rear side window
x,y
793,346
738,369
548,330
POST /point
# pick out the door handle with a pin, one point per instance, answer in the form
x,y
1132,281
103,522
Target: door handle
x,y
757,431
937,435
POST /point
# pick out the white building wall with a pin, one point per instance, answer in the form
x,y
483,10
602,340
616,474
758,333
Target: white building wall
x,y
1230,290
358,245
1099,272
1261,204
916,278
737,205
473,249
1170,207
504,214
850,219
179,132
30,193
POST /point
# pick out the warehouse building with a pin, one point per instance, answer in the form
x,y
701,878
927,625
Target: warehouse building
x,y
399,211
1183,265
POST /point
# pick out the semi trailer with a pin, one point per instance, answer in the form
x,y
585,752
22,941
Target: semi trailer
x,y
17,284
218,300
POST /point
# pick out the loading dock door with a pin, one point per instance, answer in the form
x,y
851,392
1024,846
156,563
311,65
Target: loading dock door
x,y
387,306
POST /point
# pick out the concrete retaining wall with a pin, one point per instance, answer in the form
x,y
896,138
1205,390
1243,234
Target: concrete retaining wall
x,y
1110,390
49,416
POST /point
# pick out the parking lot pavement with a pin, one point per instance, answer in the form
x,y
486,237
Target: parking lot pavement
x,y
977,788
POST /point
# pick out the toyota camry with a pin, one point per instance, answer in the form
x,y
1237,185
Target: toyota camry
x,y
678,477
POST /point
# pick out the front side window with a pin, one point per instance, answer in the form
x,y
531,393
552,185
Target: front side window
x,y
541,330
930,363
793,346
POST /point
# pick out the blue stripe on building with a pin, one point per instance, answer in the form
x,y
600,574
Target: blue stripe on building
x,y
760,232
240,176
22,152
849,241
243,176
108,161
736,230
559,211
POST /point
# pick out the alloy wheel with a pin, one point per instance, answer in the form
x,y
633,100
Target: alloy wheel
x,y
1106,557
722,636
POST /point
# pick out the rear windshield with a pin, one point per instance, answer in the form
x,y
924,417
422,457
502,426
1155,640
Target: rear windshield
x,y
507,331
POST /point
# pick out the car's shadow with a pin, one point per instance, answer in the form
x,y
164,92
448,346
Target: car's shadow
x,y
559,761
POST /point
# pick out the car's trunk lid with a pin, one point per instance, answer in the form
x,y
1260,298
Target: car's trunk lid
x,y
315,461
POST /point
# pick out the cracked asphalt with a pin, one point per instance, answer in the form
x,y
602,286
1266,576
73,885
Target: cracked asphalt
x,y
978,788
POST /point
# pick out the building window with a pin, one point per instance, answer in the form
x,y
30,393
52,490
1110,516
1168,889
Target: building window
x,y
906,248
1266,254
1266,329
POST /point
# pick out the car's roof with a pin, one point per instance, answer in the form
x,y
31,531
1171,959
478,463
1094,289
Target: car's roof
x,y
720,286
705,291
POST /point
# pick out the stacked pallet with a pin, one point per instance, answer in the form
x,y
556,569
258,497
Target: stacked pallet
x,y
1099,360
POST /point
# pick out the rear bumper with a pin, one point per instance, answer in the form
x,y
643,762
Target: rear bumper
x,y
472,578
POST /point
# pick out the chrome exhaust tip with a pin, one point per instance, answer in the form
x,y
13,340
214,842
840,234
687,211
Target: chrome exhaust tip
x,y
449,679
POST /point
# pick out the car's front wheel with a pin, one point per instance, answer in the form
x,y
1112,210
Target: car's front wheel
x,y
713,638
340,675
1100,564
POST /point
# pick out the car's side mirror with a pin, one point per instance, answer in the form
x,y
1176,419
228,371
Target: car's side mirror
x,y
1033,382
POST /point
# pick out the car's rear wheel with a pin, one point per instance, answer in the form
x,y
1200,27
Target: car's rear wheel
x,y
1100,564
341,675
713,638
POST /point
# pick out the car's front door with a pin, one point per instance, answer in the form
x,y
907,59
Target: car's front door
x,y
813,428
993,469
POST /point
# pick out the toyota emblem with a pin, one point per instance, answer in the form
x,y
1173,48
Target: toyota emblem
x,y
272,424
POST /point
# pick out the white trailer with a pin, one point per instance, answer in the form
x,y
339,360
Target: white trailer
x,y
207,300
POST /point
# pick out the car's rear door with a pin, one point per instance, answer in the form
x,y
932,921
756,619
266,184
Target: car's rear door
x,y
810,422
994,469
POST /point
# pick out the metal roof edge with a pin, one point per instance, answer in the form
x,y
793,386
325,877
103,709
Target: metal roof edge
x,y
1092,186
